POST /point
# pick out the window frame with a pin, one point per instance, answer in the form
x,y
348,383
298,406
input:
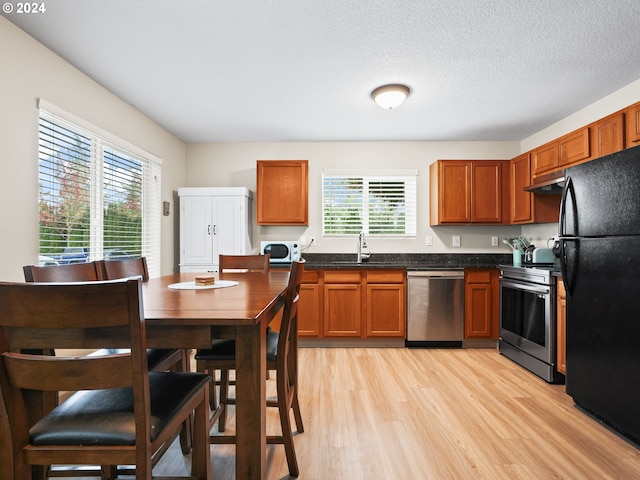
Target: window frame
x,y
409,179
102,145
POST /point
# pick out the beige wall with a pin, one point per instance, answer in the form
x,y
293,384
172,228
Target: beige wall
x,y
30,71
233,164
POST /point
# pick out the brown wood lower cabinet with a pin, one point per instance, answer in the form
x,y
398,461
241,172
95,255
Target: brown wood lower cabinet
x,y
310,305
386,303
561,327
342,312
362,303
481,297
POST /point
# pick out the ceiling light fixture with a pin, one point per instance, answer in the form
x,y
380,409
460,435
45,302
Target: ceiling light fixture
x,y
390,96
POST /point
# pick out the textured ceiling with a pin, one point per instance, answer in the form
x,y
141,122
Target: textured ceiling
x,y
303,70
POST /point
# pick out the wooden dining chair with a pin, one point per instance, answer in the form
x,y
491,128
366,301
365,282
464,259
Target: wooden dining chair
x,y
121,414
74,272
282,356
231,264
125,268
159,359
244,263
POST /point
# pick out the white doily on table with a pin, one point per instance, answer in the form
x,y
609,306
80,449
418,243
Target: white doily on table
x,y
192,285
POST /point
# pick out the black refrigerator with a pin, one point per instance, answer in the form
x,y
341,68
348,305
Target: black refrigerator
x,y
600,260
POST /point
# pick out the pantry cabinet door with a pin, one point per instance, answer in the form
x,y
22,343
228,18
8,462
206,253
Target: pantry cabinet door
x,y
196,231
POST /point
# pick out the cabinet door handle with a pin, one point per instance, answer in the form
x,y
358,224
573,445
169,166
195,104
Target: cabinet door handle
x,y
214,230
208,229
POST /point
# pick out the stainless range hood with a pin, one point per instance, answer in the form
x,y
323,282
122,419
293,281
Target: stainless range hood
x,y
550,183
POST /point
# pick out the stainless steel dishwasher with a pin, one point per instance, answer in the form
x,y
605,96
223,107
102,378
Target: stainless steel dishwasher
x,y
435,308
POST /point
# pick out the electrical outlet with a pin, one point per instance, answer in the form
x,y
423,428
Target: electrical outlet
x,y
455,241
494,241
429,241
312,241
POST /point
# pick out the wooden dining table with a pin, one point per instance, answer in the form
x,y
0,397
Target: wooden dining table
x,y
193,318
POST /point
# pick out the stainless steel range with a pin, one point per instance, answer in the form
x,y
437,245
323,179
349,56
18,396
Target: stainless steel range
x,y
528,319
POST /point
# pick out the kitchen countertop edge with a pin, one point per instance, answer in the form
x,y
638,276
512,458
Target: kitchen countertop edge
x,y
407,261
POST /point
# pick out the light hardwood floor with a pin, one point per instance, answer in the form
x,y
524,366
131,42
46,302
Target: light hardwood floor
x,y
394,413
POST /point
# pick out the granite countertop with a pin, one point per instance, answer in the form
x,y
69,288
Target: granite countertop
x,y
410,261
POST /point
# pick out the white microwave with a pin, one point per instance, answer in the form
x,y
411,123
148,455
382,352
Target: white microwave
x,y
281,251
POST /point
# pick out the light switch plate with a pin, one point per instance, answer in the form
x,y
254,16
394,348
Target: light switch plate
x,y
455,241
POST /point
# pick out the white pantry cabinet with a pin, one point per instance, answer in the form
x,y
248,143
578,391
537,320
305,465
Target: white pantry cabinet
x,y
213,221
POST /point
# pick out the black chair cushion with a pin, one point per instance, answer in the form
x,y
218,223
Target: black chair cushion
x,y
106,417
226,349
155,356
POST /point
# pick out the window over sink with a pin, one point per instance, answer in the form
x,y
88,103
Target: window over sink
x,y
377,202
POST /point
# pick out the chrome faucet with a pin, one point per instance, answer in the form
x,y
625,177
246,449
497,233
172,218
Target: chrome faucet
x,y
362,243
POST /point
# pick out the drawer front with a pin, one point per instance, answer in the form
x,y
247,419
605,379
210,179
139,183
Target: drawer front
x,y
310,276
478,276
342,276
385,276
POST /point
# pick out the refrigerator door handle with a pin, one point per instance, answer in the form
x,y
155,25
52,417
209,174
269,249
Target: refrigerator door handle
x,y
568,195
569,252
569,244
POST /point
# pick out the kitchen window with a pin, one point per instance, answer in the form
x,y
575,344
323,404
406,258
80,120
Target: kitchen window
x,y
99,197
378,203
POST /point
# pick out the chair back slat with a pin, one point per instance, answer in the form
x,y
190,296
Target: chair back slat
x,y
47,373
52,305
247,263
126,268
68,338
75,272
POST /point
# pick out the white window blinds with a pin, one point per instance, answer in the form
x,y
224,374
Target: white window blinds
x,y
379,203
98,198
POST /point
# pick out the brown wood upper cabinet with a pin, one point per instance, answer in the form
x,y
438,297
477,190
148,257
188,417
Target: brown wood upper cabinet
x,y
607,135
600,138
545,158
469,192
521,200
566,150
527,207
282,192
632,121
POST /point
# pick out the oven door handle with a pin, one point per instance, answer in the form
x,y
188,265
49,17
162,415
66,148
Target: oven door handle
x,y
539,289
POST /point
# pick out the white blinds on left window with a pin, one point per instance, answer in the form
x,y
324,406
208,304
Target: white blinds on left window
x,y
99,196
